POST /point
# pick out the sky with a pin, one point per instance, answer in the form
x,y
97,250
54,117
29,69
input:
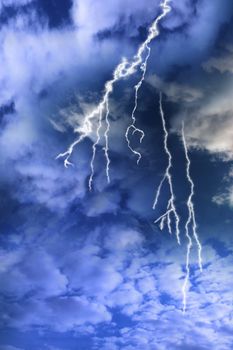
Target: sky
x,y
90,270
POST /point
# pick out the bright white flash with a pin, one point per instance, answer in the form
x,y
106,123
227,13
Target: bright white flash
x,y
124,69
171,208
190,221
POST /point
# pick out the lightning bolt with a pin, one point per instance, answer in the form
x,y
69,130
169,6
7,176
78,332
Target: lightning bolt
x,y
153,33
100,116
190,221
171,208
94,149
123,70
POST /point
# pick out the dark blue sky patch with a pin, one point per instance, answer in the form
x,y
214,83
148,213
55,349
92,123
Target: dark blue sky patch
x,y
7,108
219,246
11,11
57,12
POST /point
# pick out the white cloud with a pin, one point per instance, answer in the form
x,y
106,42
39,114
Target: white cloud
x,y
43,179
224,198
222,64
23,271
106,272
102,203
125,295
94,276
174,91
26,52
92,18
210,126
146,285
122,238
60,314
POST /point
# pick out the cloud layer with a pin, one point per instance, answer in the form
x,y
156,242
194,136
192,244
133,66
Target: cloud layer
x,y
91,268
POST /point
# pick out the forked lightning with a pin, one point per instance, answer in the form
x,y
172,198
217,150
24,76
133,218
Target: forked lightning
x,y
171,208
124,69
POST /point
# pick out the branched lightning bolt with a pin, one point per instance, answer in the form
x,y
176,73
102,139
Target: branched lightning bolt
x,y
153,33
190,221
132,125
171,208
123,70
97,142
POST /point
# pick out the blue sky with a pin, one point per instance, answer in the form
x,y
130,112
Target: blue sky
x,y
83,270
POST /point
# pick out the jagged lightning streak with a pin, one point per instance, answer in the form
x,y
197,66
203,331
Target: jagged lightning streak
x,y
190,221
132,125
123,70
171,208
106,148
94,149
153,33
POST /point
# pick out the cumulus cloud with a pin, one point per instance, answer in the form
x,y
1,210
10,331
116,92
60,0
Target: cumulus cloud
x,y
61,314
24,272
174,91
93,18
39,51
42,179
122,238
93,275
198,329
209,125
225,197
102,203
70,291
222,64
85,281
